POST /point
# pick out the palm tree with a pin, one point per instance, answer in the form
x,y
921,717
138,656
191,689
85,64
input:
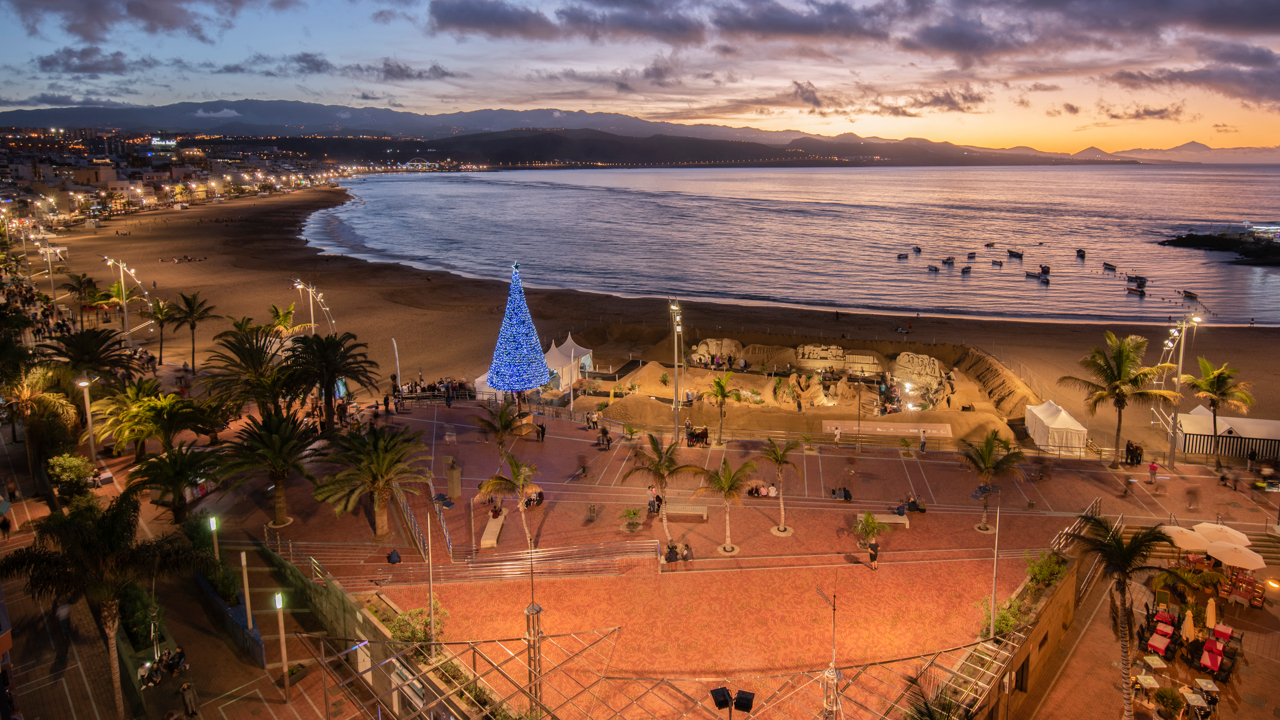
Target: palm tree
x,y
112,414
1183,580
937,705
14,360
249,365
82,288
182,467
190,313
1120,561
1117,376
163,418
779,458
719,394
280,444
100,353
282,321
502,423
728,484
45,415
1219,387
660,464
120,295
517,483
94,552
162,314
870,528
380,463
994,459
321,360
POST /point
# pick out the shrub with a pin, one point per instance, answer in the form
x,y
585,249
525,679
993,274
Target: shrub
x,y
1009,615
135,615
602,406
1170,700
70,473
415,625
1045,569
665,379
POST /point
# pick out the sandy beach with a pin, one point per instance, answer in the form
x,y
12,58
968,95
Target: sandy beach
x,y
446,325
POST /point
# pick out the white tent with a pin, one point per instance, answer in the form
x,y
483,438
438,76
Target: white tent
x,y
567,362
1054,430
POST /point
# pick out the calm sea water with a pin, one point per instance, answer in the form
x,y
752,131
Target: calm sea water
x,y
831,237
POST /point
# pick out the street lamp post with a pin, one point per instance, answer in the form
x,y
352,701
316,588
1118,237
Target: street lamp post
x,y
1180,337
284,651
676,329
124,301
248,608
88,417
213,530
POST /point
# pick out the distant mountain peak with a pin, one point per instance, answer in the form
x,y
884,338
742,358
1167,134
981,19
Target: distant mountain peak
x,y
1092,153
1194,146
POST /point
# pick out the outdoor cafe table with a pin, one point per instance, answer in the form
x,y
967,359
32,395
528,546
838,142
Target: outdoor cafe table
x,y
1158,643
1214,646
1148,682
1154,662
1207,685
1211,661
1194,700
1166,617
1222,632
1164,629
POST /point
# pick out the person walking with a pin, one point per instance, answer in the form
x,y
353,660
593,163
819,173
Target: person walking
x,y
873,555
923,441
1152,468
5,526
64,618
190,699
542,432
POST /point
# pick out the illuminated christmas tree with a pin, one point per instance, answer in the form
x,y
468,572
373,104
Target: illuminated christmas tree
x,y
518,362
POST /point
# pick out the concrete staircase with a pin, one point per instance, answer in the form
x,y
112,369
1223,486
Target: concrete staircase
x,y
1265,544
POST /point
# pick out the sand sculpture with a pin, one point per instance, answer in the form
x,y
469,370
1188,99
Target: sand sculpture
x,y
707,350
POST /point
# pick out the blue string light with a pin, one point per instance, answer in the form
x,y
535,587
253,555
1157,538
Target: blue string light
x,y
518,362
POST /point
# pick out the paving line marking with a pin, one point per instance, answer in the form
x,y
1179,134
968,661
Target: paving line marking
x,y
907,472
70,702
87,688
48,681
924,477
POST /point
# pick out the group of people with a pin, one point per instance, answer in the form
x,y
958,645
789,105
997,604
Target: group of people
x,y
720,362
1132,453
676,553
762,491
170,662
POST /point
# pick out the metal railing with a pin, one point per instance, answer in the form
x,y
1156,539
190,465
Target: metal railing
x,y
1090,576
572,561
411,521
1065,537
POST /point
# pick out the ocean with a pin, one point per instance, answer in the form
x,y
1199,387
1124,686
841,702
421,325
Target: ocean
x,y
830,238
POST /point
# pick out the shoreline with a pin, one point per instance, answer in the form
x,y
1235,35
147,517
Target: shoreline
x,y
446,324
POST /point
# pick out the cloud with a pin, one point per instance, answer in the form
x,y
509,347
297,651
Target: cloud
x,y
1223,128
836,20
56,100
94,20
596,20
1142,112
1064,108
663,25
963,98
1042,87
307,63
1229,53
1250,85
223,113
491,18
91,61
968,39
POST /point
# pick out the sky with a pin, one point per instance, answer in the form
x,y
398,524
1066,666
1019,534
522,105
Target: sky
x,y
1057,75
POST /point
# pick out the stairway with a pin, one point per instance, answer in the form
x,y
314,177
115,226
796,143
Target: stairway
x,y
1266,545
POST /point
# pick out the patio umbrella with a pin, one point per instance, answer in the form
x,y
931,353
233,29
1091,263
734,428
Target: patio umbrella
x,y
1188,628
1211,615
1236,556
1186,538
1221,533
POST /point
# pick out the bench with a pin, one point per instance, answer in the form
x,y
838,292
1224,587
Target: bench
x,y
700,510
894,518
493,530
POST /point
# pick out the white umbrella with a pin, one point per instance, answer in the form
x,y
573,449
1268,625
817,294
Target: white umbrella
x,y
1236,556
1188,628
1222,533
1211,615
1186,538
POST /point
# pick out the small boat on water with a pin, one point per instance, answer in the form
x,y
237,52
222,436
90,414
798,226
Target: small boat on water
x,y
933,268
1044,279
1136,291
1137,279
1080,254
998,263
916,249
1044,269
903,256
1190,295
1015,253
1108,266
973,255
1033,275
990,244
949,261
965,270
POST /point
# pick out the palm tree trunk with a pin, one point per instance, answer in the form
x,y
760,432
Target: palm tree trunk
x,y
160,361
782,513
1115,458
139,451
1125,660
380,530
281,503
728,543
180,505
193,349
524,521
110,616
327,394
720,432
1217,450
662,511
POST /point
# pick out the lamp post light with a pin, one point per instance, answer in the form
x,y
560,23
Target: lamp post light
x,y
248,608
315,297
284,651
213,529
1179,337
124,298
676,330
88,417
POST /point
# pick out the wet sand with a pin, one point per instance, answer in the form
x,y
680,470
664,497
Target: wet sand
x,y
446,325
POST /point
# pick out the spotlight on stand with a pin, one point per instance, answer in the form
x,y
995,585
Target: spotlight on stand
x,y
743,701
722,698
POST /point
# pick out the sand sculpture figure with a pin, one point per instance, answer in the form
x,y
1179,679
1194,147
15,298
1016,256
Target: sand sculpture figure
x,y
920,370
709,349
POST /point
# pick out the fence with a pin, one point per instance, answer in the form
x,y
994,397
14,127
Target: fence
x,y
1087,583
1230,446
250,641
1065,537
573,561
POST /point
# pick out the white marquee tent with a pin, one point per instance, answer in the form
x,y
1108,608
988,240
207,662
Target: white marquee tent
x,y
1054,430
562,361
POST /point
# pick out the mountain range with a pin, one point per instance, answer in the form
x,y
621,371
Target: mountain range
x,y
284,118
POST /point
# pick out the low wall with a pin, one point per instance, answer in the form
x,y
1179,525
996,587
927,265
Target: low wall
x,y
232,619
